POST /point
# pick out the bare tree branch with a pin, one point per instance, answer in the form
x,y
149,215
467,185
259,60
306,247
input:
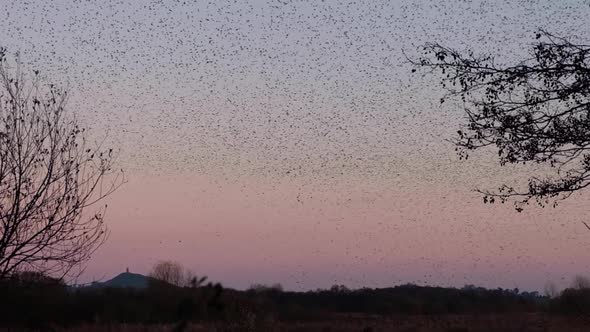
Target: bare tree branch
x,y
49,177
536,111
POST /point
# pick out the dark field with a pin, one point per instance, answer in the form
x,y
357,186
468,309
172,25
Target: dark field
x,y
365,323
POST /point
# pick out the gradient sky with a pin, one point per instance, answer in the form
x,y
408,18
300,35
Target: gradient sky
x,y
287,141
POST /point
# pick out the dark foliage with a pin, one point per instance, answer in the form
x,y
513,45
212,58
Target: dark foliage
x,y
406,299
572,301
36,303
50,302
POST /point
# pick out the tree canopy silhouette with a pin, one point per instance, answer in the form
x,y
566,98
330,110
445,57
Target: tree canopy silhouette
x,y
535,111
49,175
174,273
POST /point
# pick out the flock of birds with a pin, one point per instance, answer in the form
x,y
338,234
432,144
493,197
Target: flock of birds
x,y
313,92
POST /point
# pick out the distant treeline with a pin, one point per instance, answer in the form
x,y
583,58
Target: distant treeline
x,y
39,301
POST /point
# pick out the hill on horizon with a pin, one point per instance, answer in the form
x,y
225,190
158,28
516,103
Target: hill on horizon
x,y
124,280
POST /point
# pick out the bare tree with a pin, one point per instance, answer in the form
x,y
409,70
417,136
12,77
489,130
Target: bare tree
x,y
169,272
581,282
537,110
194,281
49,177
551,290
175,274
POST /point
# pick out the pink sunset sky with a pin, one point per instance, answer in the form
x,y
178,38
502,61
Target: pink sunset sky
x,y
358,235
289,142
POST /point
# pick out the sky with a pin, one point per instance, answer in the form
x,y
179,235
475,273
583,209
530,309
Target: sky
x,y
289,141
